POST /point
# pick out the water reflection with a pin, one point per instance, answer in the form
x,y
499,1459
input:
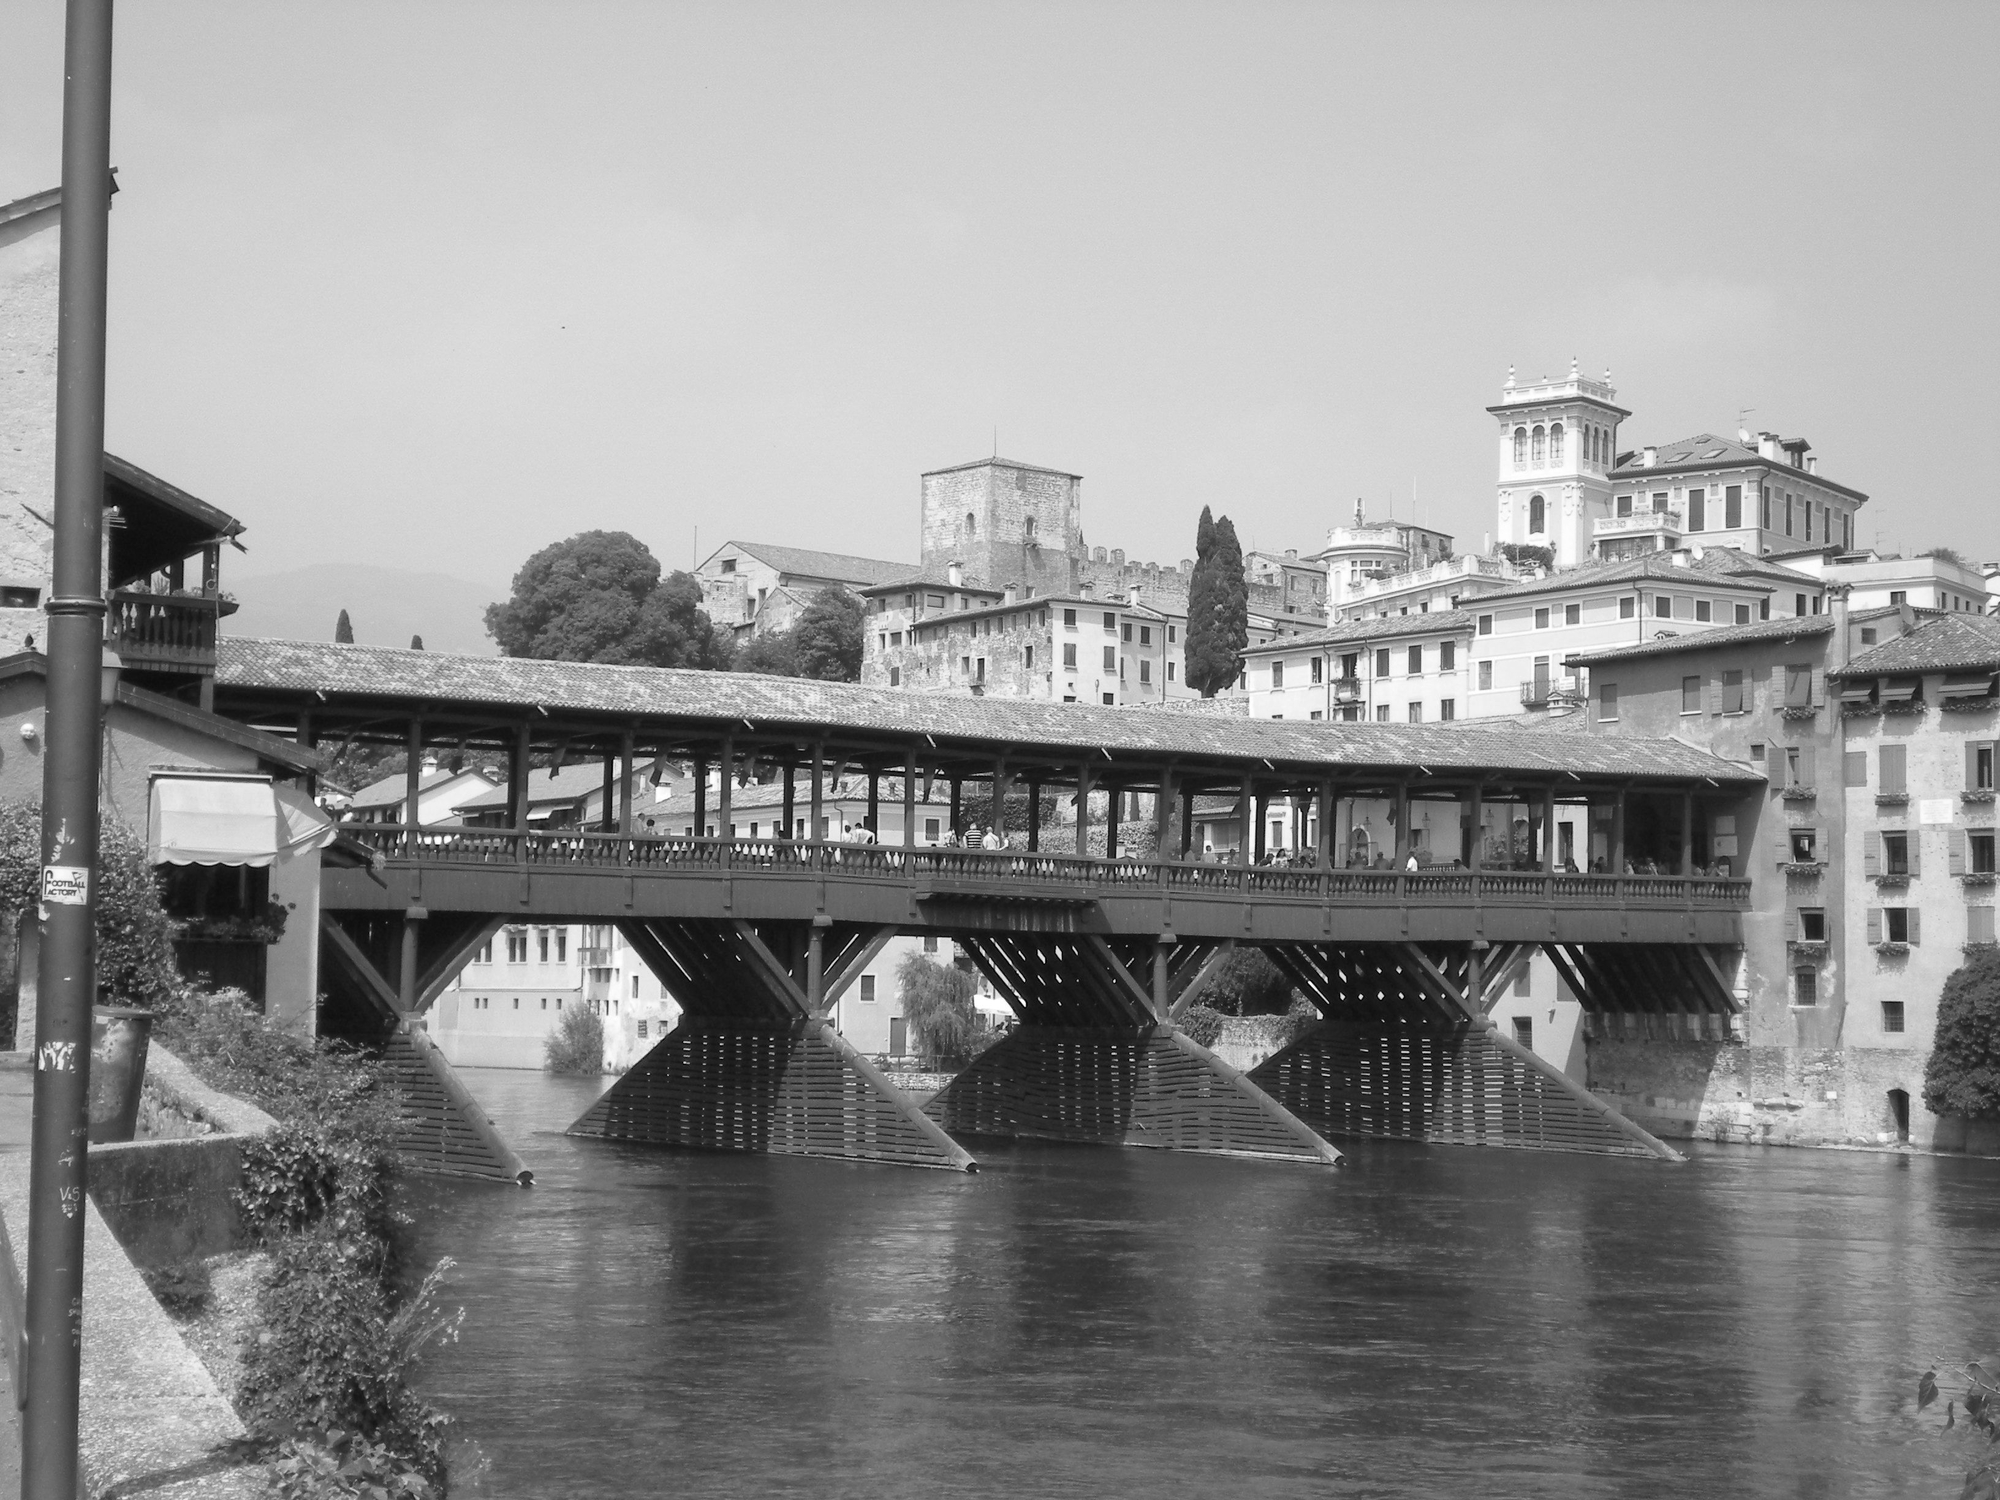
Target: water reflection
x,y
1079,1321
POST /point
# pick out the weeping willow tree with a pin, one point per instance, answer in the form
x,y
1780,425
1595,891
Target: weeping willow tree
x,y
937,1002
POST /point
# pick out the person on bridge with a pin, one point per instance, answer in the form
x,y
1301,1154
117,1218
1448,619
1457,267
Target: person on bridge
x,y
1412,865
994,839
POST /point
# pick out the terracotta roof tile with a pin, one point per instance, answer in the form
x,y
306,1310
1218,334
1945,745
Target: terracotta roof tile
x,y
386,678
1720,637
1949,643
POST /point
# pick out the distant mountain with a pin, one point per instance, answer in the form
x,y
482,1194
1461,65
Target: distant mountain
x,y
386,605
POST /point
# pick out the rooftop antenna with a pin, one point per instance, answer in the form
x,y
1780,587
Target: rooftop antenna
x,y
1742,427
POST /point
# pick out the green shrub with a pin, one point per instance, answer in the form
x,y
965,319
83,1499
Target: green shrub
x,y
332,1357
344,1463
1963,1074
135,948
1202,1025
300,1177
577,1043
1249,984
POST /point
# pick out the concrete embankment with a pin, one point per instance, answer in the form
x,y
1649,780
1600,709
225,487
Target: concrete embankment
x,y
153,1422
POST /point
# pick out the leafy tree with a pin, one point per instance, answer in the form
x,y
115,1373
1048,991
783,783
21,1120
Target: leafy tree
x,y
599,597
1249,984
1963,1074
937,1002
1218,607
673,631
1528,555
577,1043
343,630
773,655
1947,554
416,643
828,636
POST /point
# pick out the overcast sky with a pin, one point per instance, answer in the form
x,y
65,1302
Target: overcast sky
x,y
434,285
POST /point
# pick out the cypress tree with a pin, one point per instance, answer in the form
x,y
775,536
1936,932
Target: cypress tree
x,y
416,643
1218,607
343,630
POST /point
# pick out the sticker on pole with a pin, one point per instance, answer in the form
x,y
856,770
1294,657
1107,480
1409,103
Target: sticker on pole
x,y
66,885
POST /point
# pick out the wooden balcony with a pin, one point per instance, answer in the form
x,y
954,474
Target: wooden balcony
x,y
163,632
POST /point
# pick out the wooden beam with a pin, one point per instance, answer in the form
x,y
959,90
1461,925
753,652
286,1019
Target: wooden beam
x,y
777,977
445,966
1192,990
348,955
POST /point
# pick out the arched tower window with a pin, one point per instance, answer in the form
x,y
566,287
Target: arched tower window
x,y
1590,444
1028,528
1556,443
1520,446
971,524
1537,511
1540,442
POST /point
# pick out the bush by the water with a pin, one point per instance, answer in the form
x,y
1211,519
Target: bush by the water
x,y
329,1370
1249,984
1202,1025
1963,1074
577,1043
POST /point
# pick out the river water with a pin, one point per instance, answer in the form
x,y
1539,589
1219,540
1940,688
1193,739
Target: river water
x,y
1075,1321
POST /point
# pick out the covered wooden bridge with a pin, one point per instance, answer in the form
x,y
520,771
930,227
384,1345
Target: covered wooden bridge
x,y
1099,953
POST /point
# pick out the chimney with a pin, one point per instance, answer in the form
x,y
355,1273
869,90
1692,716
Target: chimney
x,y
954,574
1767,447
1812,464
1649,458
1681,557
1836,605
429,764
1292,554
1010,594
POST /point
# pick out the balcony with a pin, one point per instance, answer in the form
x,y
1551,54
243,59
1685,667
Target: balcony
x,y
1669,521
164,632
1347,690
1552,692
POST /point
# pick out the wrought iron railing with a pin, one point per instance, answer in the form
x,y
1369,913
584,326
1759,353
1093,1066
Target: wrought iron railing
x,y
975,870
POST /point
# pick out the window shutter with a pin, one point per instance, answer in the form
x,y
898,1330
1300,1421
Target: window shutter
x,y
1791,924
1891,770
1874,924
1784,846
1979,924
1778,686
1914,916
1954,851
1971,765
1856,763
1715,692
1914,843
1819,687
1808,760
1871,856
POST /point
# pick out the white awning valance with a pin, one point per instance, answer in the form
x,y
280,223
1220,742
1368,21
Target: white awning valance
x,y
213,820
1967,685
1900,689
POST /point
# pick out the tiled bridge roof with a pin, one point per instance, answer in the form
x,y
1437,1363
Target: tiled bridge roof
x,y
334,681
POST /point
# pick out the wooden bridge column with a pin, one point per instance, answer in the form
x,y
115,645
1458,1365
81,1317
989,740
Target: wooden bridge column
x,y
700,797
1246,814
1000,798
413,775
517,778
1616,863
1083,809
1034,814
1187,793
1113,792
1163,816
791,804
910,798
875,802
1402,826
1549,829
406,988
1687,833
625,780
955,829
819,757
725,791
1475,842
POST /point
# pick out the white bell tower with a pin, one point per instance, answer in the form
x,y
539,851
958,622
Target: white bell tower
x,y
1558,446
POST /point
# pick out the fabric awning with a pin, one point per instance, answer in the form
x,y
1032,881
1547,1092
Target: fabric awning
x,y
1968,684
1900,689
1858,692
213,820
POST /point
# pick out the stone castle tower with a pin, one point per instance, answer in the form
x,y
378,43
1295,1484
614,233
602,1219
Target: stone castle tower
x,y
1558,446
1006,523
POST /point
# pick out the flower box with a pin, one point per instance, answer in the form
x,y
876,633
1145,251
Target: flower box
x,y
1808,947
1892,799
1799,793
1907,706
1980,947
1860,710
1891,949
1978,794
1978,877
1799,711
1805,867
1967,705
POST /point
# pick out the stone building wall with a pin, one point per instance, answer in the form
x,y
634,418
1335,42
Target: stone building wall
x,y
29,248
1004,523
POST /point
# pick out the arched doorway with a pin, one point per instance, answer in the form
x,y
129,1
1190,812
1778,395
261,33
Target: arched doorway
x,y
1899,1114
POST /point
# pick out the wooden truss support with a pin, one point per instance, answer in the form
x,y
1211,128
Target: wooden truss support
x,y
1097,1057
1408,1052
754,1064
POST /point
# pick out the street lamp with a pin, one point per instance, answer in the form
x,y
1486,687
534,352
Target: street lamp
x,y
108,671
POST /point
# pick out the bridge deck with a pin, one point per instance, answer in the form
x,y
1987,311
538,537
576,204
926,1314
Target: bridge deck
x,y
572,874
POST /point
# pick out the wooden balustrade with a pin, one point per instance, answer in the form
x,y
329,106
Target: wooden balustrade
x,y
162,630
1056,874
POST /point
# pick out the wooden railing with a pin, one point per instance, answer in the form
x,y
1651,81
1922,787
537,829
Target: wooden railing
x,y
163,630
1022,870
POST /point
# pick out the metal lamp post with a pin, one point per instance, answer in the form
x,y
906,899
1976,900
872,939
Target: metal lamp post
x,y
67,981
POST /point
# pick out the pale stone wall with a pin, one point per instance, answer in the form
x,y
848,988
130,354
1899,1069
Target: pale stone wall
x,y
28,281
1761,1095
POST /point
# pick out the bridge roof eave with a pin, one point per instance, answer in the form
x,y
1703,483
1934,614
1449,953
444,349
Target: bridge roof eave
x,y
666,706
